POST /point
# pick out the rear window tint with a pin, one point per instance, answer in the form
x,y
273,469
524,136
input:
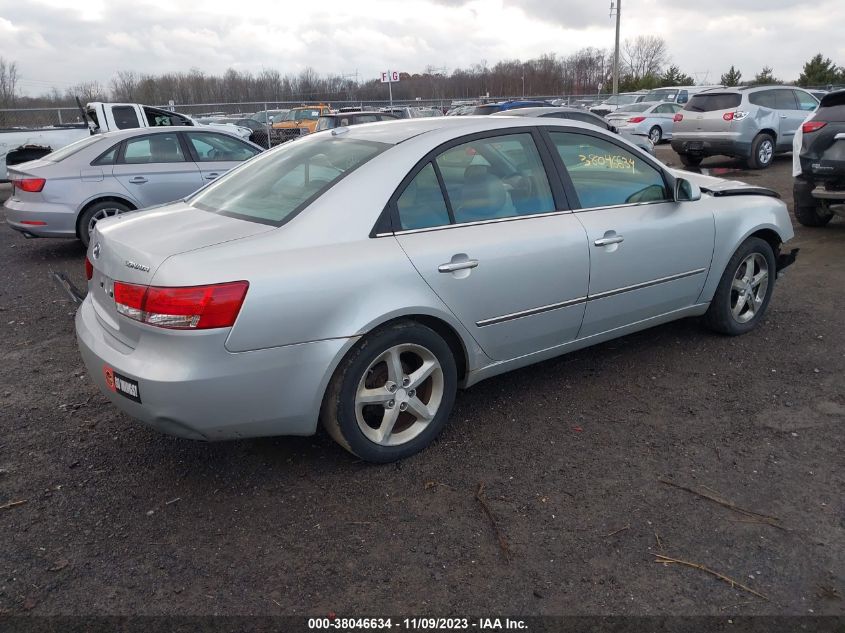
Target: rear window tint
x,y
275,187
835,113
711,102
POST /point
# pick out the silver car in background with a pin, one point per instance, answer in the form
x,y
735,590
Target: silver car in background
x,y
359,276
652,119
751,123
65,193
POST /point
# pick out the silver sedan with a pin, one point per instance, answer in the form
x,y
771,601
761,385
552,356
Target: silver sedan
x,y
65,193
654,119
358,277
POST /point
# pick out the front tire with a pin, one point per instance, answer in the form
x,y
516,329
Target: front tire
x,y
95,213
393,393
744,290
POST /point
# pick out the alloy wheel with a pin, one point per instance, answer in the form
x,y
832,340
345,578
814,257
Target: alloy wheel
x,y
749,286
102,214
399,394
765,152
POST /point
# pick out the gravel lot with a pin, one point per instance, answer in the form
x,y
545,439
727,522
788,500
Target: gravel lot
x,y
119,519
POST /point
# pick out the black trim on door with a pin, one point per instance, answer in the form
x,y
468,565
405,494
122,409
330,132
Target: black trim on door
x,y
388,221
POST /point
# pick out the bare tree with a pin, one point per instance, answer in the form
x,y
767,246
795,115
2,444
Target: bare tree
x,y
8,82
644,56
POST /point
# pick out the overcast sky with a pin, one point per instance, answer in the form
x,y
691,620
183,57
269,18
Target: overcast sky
x,y
60,43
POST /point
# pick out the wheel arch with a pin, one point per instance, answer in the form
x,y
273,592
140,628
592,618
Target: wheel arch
x,y
105,198
770,132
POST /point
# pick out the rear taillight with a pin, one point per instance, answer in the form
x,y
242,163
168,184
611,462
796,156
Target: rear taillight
x,y
636,119
89,269
678,117
739,115
812,126
32,185
186,308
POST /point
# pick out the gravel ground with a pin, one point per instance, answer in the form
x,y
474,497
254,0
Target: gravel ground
x,y
119,519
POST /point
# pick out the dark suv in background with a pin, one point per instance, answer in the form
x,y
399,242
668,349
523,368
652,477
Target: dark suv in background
x,y
819,190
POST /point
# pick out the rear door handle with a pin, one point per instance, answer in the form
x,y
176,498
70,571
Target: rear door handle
x,y
453,266
211,176
138,180
782,116
607,241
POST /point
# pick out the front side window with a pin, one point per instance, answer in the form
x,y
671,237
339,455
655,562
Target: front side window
x,y
211,147
155,148
605,175
279,184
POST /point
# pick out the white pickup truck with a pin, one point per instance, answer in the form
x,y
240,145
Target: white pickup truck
x,y
18,145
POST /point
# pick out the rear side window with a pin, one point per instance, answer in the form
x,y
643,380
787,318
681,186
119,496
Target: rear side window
x,y
422,205
276,186
108,157
604,174
125,117
806,101
712,102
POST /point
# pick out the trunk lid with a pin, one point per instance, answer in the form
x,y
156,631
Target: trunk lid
x,y
706,113
131,247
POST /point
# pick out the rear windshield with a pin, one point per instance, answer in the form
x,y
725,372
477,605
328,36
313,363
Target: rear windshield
x,y
279,184
69,150
635,107
711,102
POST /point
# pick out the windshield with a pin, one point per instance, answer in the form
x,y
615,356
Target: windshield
x,y
69,150
635,107
276,186
661,95
710,102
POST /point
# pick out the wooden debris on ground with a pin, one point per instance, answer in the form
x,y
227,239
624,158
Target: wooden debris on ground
x,y
503,544
715,497
727,579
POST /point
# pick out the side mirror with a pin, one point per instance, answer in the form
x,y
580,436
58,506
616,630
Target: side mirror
x,y
686,191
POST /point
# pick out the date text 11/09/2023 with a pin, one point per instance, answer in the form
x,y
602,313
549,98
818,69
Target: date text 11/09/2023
x,y
416,624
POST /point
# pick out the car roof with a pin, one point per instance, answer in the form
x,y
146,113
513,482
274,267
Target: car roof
x,y
540,110
163,129
394,132
353,113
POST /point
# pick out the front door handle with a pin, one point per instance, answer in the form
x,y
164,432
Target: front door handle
x,y
782,116
138,180
211,176
453,266
607,241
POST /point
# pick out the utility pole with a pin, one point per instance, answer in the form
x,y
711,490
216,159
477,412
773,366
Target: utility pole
x,y
618,8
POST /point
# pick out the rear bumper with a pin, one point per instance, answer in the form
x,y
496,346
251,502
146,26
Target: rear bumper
x,y
709,146
59,220
190,386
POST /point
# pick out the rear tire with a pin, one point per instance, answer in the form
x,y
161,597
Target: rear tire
x,y
808,210
94,213
741,299
655,134
392,394
762,151
688,160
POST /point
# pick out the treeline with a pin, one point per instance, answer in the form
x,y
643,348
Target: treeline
x,y
645,64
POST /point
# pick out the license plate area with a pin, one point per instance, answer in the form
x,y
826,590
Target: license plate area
x,y
121,384
695,146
